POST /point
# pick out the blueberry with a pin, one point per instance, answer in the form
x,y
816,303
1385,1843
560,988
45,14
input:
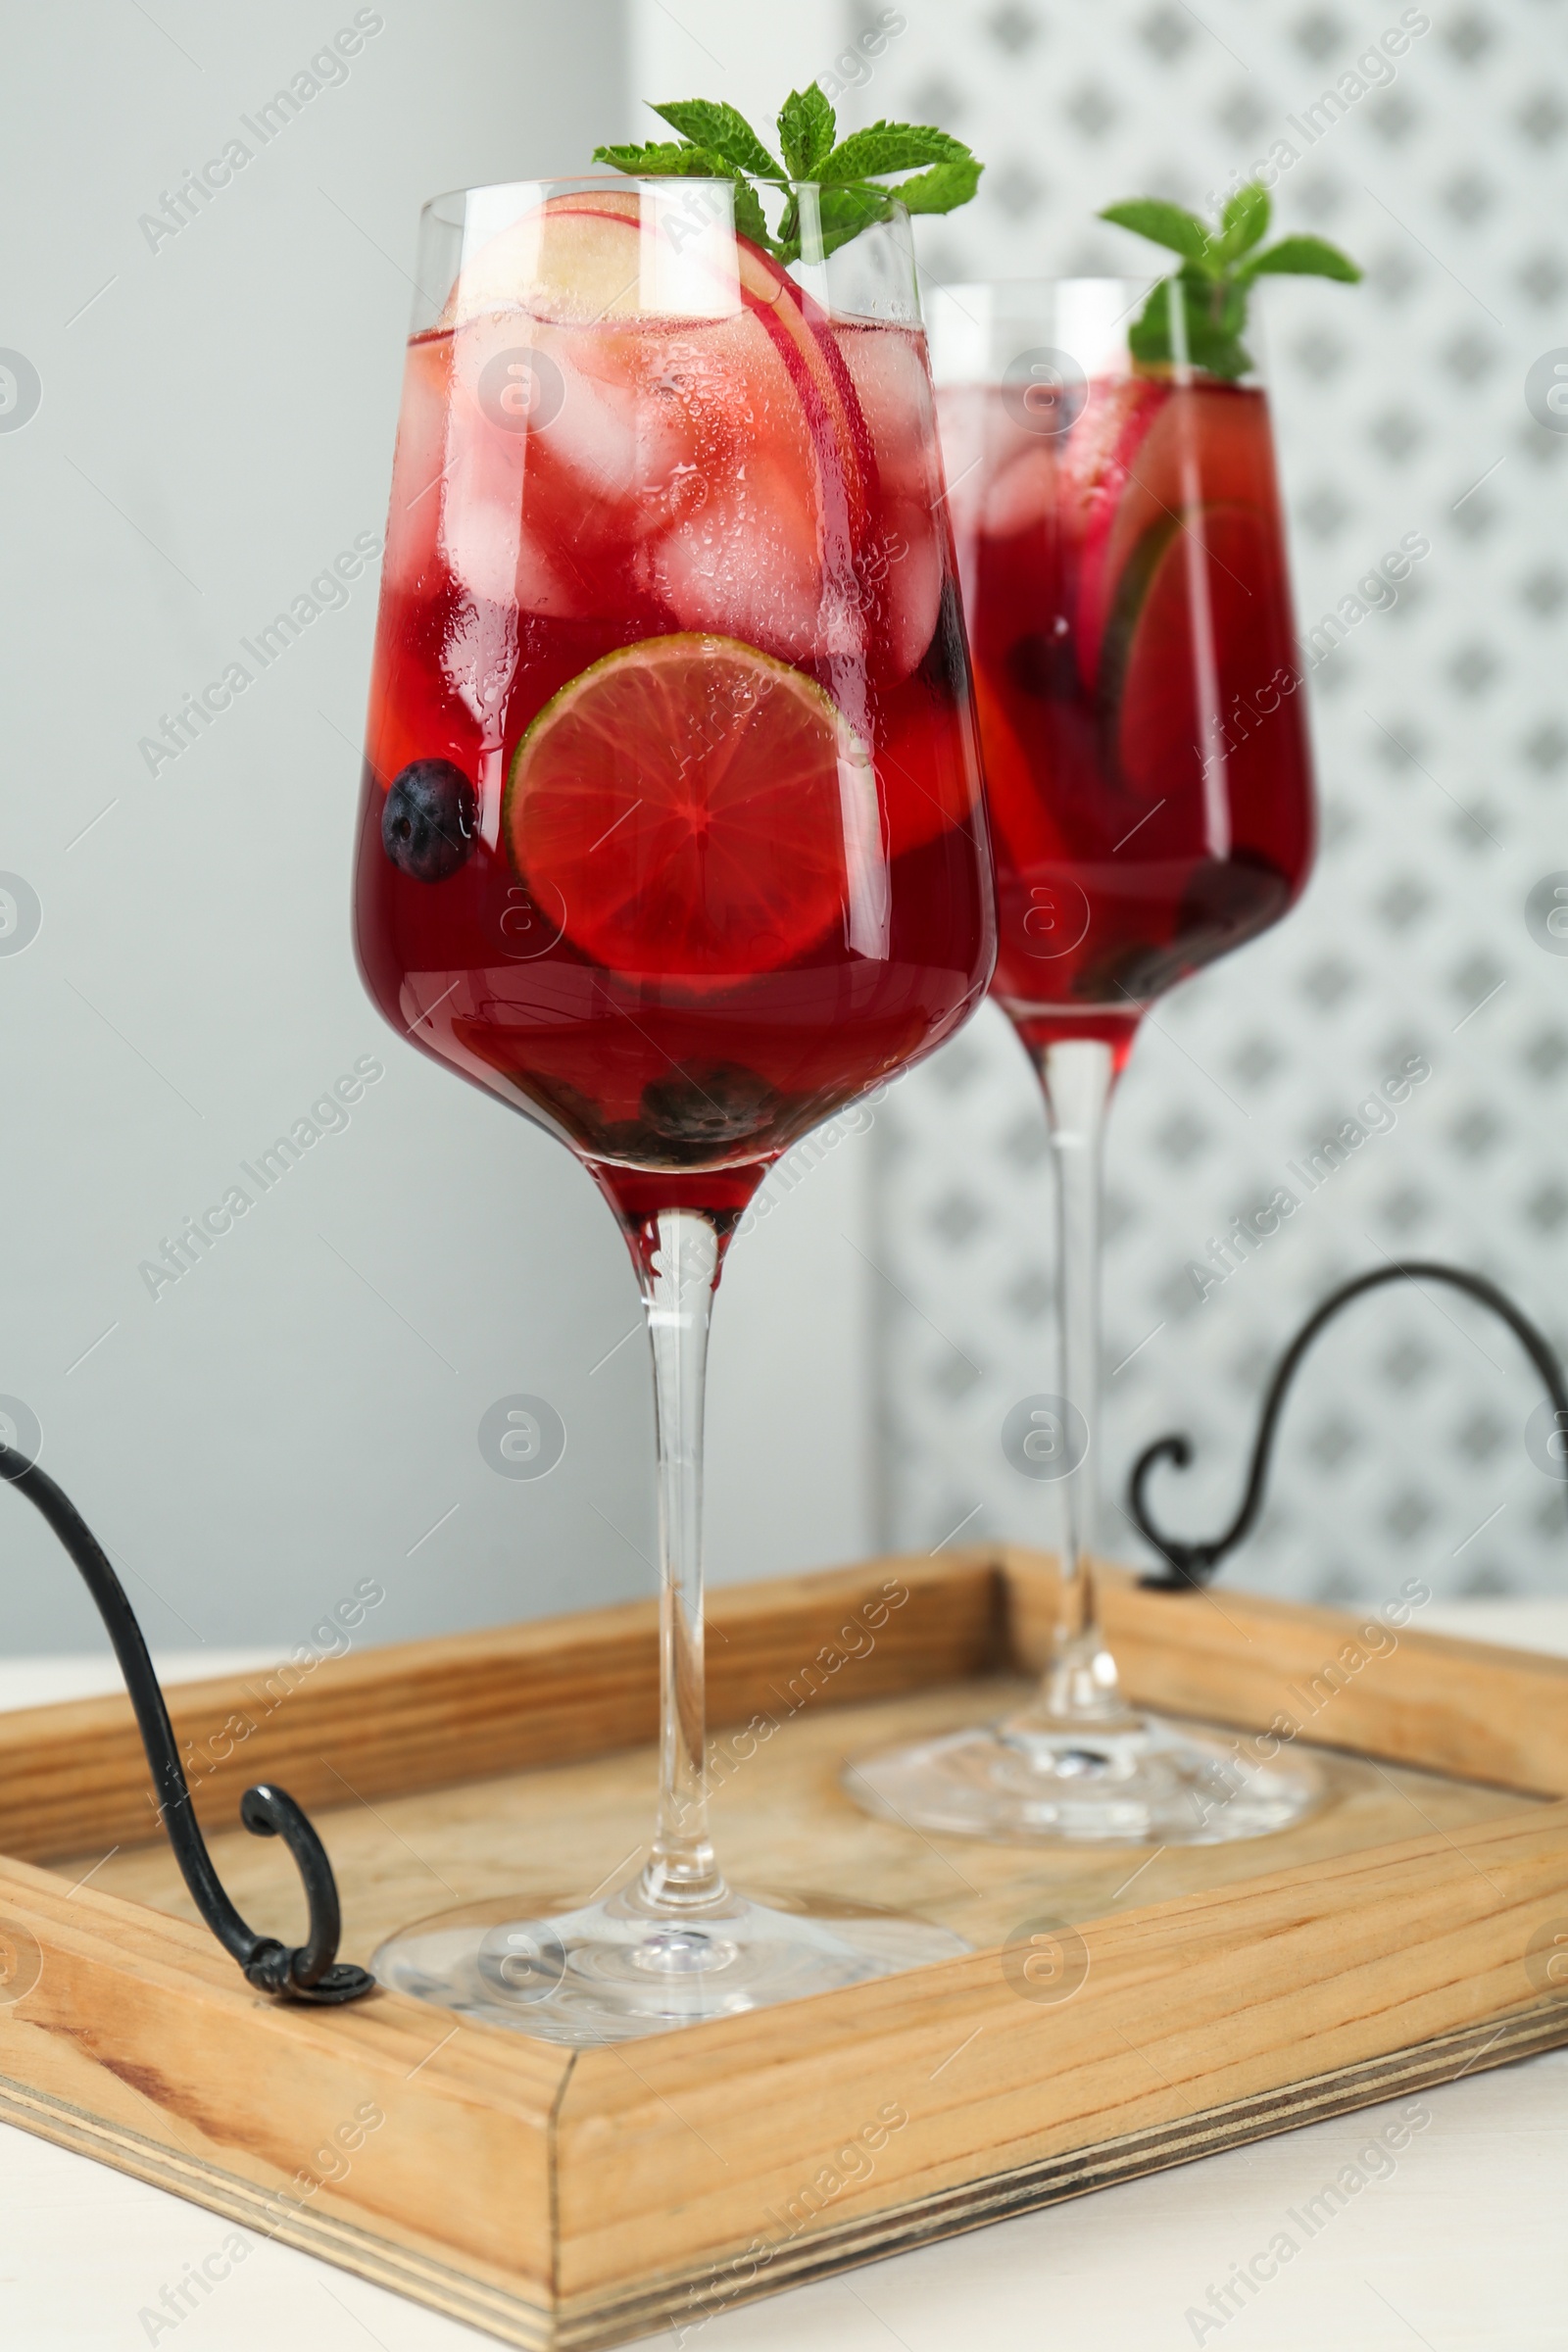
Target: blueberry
x,y
708,1105
428,823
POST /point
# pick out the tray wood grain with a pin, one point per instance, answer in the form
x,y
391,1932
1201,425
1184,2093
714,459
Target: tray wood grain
x,y
551,1835
559,2198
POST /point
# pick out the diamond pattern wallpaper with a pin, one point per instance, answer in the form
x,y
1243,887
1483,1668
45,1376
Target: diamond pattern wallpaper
x,y
1423,410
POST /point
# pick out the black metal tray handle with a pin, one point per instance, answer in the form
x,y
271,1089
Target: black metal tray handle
x,y
312,1971
1192,1564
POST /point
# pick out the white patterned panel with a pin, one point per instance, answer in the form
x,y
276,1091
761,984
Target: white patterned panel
x,y
1442,738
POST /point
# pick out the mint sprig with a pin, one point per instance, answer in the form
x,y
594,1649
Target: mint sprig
x,y
715,143
806,128
1219,266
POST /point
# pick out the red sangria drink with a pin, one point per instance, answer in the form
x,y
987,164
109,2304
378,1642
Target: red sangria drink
x,y
671,837
670,831
1155,806
1129,615
1149,776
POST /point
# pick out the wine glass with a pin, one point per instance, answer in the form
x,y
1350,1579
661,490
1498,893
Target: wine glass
x,y
1147,770
671,836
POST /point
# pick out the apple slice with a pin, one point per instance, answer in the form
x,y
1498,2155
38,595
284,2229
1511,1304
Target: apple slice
x,y
746,563
573,259
803,336
1097,463
1156,645
1207,445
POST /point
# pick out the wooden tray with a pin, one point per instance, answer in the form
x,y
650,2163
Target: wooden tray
x,y
562,2198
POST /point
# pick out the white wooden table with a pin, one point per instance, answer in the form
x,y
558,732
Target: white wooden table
x,y
1460,2245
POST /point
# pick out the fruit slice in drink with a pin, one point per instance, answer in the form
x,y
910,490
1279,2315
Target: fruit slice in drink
x,y
1102,469
1189,605
697,810
1163,449
749,396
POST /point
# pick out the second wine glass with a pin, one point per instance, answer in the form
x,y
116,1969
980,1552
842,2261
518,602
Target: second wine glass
x,y
1123,561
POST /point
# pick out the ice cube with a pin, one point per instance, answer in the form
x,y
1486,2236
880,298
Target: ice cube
x,y
887,367
497,549
491,549
415,509
608,465
746,564
913,593
512,518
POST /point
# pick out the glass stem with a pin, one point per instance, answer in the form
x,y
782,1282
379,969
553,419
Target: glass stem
x,y
1077,1075
678,1278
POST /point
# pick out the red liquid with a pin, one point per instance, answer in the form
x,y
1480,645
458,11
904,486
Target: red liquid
x,y
1145,739
678,984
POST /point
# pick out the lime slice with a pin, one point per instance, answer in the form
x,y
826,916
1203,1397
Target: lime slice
x,y
697,808
1194,616
1177,447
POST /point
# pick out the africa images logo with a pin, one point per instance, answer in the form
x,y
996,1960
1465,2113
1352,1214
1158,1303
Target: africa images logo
x,y
327,69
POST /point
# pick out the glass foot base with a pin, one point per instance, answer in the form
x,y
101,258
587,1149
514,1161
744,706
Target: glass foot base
x,y
612,1971
1147,1784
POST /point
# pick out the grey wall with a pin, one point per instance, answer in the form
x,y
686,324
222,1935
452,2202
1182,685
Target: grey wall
x,y
216,424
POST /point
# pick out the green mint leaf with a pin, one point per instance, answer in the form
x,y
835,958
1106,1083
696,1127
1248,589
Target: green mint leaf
x,y
669,160
1164,225
1216,275
943,188
842,214
724,133
1149,338
683,161
1213,318
888,147
749,217
1245,220
1303,257
717,142
807,127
